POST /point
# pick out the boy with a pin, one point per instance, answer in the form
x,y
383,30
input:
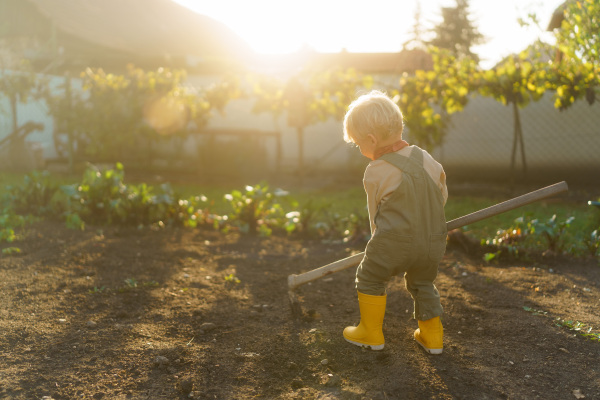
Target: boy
x,y
406,193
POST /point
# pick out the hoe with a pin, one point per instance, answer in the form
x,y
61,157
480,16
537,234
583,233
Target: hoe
x,y
295,281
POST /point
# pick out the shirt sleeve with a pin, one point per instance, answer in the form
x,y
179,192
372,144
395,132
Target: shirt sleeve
x,y
380,181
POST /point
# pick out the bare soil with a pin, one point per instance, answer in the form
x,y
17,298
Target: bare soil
x,y
122,313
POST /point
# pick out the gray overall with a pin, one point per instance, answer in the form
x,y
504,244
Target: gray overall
x,y
410,238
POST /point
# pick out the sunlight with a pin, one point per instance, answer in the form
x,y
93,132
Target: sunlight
x,y
279,27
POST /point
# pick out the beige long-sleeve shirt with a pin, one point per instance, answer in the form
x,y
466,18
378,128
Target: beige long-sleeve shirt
x,y
382,178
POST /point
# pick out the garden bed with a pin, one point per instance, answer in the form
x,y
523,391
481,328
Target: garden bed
x,y
119,313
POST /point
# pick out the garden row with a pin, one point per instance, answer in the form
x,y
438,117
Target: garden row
x,y
103,198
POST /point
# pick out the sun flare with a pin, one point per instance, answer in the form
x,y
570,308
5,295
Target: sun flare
x,y
278,27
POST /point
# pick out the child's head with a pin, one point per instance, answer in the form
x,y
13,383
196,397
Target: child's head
x,y
373,114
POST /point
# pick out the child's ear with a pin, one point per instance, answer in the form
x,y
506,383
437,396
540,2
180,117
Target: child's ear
x,y
372,139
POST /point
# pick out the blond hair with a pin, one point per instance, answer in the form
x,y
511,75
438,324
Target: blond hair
x,y
372,113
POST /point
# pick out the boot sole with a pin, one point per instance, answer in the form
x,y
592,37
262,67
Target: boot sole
x,y
369,346
427,349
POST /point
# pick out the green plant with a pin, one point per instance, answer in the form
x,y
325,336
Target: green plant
x,y
34,195
103,197
131,282
97,290
552,230
7,234
489,257
592,243
510,240
579,328
9,221
257,210
231,278
11,250
428,98
74,221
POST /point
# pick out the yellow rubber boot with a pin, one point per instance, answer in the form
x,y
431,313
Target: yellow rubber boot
x,y
430,335
369,331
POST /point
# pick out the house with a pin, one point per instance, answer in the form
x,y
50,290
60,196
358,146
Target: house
x,y
59,35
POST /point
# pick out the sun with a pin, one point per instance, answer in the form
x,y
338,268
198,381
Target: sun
x,y
279,27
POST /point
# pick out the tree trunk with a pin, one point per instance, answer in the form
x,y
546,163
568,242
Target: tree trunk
x,y
300,132
517,142
69,124
16,146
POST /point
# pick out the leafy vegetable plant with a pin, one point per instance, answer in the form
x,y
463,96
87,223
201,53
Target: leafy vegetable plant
x,y
552,230
33,196
103,197
257,210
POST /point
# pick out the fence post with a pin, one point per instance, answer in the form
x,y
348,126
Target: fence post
x,y
69,124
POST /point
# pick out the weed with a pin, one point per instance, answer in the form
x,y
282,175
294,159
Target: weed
x,y
97,290
489,257
231,278
11,250
9,221
579,328
131,283
592,243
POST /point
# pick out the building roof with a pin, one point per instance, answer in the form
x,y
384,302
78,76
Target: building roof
x,y
143,27
150,33
371,63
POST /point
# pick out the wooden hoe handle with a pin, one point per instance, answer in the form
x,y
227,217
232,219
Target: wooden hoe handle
x,y
297,280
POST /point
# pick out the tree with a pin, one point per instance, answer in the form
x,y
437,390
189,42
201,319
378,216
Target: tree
x,y
457,33
416,39
515,82
577,75
19,84
578,35
308,97
428,98
116,116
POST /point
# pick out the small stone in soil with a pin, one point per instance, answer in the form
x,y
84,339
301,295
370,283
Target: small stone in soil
x,y
334,380
186,385
297,383
161,361
207,327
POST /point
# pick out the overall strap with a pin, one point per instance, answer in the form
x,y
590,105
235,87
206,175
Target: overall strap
x,y
411,165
